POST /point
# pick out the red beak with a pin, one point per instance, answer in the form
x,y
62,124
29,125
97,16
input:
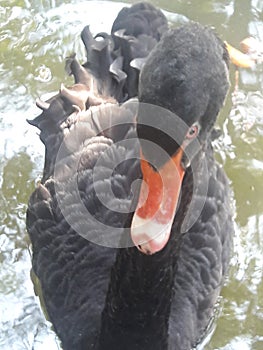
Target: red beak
x,y
158,199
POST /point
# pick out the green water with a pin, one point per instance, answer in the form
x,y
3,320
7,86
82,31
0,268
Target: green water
x,y
35,37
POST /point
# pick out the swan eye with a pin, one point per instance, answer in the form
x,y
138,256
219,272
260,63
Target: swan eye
x,y
192,132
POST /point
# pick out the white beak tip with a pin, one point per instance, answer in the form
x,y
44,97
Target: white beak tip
x,y
149,236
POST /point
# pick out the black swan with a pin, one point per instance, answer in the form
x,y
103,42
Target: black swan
x,y
160,294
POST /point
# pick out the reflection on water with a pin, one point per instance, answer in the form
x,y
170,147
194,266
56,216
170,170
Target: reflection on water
x,y
35,37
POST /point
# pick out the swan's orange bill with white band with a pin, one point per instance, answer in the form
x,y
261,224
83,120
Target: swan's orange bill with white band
x,y
158,198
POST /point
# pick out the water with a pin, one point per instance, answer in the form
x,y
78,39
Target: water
x,y
35,37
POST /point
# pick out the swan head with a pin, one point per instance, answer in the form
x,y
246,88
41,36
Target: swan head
x,y
182,88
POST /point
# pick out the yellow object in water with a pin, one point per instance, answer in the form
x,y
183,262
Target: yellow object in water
x,y
239,58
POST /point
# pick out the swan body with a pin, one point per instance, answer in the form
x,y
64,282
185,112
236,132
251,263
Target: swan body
x,y
98,295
